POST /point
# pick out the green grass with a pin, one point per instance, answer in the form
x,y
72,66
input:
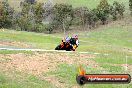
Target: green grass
x,y
107,40
111,35
113,59
110,40
66,74
18,80
112,68
34,39
113,43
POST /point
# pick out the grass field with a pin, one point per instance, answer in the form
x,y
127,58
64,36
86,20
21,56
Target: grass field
x,y
108,48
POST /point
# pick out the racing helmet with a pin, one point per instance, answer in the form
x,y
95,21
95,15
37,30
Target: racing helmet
x,y
75,36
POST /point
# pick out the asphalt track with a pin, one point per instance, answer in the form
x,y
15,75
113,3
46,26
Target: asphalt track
x,y
28,49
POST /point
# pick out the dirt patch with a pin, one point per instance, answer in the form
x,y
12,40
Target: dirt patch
x,y
14,43
38,63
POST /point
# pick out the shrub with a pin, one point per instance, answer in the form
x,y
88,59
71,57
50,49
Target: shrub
x,y
62,15
103,10
38,12
6,15
117,10
40,28
120,8
130,6
92,18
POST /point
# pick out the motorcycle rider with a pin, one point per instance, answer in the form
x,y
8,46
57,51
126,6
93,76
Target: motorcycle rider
x,y
69,43
73,41
67,39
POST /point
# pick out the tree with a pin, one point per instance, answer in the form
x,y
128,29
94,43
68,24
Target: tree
x,y
113,12
38,12
104,6
103,11
31,17
86,16
117,10
81,14
6,15
25,8
25,20
93,17
120,8
62,15
1,15
130,6
30,1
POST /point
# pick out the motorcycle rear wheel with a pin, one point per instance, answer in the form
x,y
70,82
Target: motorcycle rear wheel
x,y
58,47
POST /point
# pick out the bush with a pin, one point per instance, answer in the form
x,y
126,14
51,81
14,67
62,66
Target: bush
x,y
22,23
31,17
63,14
120,8
130,6
38,12
117,10
25,8
103,10
113,13
40,28
6,15
54,25
92,18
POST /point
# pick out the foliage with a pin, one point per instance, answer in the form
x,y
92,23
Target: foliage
x,y
82,14
6,15
40,17
113,12
120,8
86,16
25,8
130,6
62,15
38,12
31,17
92,18
117,10
103,10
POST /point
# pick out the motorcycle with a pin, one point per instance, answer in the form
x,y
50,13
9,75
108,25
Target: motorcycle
x,y
66,46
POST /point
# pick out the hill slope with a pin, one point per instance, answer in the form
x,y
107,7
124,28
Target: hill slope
x,y
107,50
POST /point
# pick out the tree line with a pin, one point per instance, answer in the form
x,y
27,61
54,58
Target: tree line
x,y
40,17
